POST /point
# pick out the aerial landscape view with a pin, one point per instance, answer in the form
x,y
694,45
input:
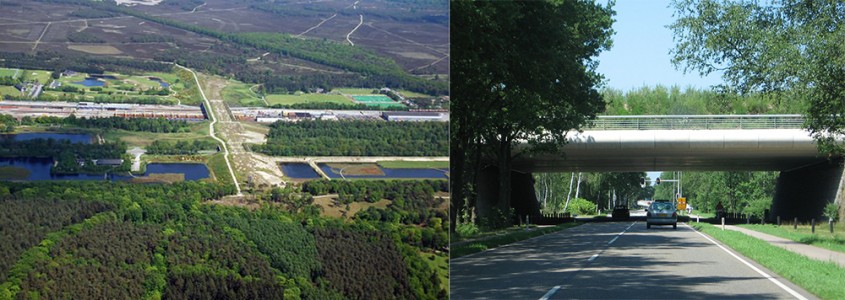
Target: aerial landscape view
x,y
246,149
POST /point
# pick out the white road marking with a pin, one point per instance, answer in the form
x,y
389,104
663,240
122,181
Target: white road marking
x,y
550,293
767,276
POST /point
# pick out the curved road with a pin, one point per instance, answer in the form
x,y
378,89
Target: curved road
x,y
616,261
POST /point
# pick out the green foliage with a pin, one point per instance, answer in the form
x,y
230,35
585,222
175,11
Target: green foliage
x,y
25,222
7,123
831,211
110,123
356,138
84,264
180,147
466,229
786,49
660,100
513,91
758,207
350,254
580,206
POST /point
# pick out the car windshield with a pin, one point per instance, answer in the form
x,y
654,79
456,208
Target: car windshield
x,y
661,206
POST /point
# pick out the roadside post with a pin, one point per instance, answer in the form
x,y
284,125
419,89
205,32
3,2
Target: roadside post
x,y
813,225
723,223
795,223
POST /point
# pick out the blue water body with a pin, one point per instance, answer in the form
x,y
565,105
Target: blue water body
x,y
163,83
91,82
391,173
191,171
72,137
299,171
40,170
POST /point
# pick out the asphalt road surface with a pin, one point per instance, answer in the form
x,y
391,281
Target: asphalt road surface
x,y
619,260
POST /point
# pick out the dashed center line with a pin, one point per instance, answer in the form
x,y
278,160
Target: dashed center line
x,y
554,290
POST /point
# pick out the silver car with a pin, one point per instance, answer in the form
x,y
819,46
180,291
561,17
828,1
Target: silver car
x,y
661,213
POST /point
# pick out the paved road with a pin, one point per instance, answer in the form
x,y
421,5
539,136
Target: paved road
x,y
594,261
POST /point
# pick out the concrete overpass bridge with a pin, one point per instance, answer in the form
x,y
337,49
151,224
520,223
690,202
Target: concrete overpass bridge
x,y
691,143
683,143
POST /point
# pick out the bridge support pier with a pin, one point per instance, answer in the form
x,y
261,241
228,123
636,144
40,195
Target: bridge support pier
x,y
803,193
523,198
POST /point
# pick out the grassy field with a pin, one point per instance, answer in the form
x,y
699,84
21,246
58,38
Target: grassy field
x,y
6,72
355,91
503,237
40,75
273,99
14,173
217,166
440,264
822,238
414,164
199,131
239,93
824,279
9,90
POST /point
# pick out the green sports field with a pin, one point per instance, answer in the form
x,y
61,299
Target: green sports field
x,y
377,100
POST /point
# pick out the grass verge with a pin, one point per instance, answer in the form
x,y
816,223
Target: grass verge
x,y
824,279
822,238
514,235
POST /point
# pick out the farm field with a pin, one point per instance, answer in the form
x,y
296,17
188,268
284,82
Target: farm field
x,y
273,99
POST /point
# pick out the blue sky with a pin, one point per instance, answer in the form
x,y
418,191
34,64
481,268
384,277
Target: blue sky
x,y
640,52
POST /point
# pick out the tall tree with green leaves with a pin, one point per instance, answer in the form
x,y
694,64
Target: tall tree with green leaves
x,y
791,50
523,72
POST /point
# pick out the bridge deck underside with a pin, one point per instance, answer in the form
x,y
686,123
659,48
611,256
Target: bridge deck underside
x,y
681,150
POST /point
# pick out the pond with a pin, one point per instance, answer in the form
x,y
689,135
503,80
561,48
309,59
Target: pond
x,y
163,83
299,171
390,173
72,137
89,82
38,169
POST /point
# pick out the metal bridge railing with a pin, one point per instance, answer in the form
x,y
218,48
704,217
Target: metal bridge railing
x,y
680,122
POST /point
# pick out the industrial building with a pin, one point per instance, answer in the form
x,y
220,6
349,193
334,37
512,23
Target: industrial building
x,y
34,109
412,116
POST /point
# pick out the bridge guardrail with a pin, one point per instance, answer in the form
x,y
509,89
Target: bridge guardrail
x,y
688,122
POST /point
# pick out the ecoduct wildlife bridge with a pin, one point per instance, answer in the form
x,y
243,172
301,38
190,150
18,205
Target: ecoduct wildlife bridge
x,y
687,143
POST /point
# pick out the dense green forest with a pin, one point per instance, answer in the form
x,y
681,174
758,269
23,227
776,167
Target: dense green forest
x,y
160,125
181,248
356,138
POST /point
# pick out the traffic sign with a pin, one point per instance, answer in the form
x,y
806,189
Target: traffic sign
x,y
682,203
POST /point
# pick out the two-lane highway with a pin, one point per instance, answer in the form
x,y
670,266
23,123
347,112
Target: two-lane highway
x,y
620,260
